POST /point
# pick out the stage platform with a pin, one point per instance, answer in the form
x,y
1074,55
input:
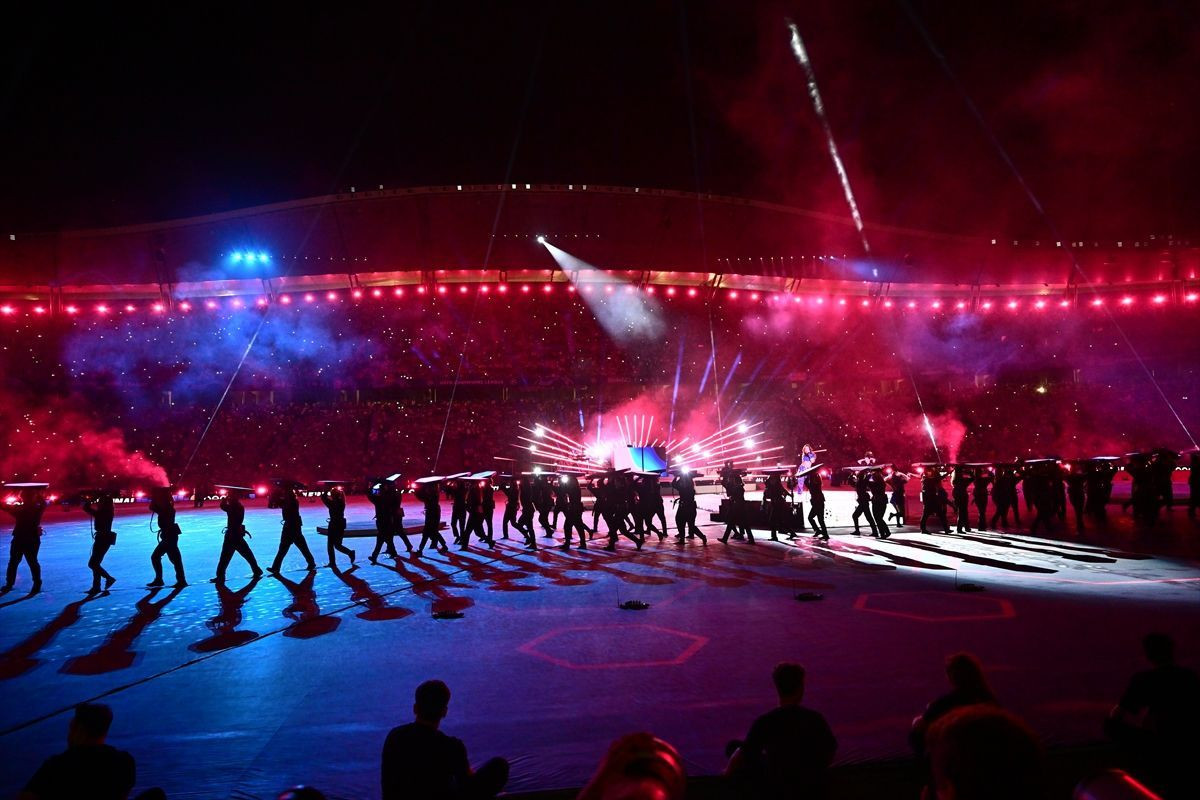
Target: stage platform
x,y
243,690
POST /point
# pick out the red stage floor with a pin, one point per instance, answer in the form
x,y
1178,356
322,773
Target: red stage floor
x,y
242,692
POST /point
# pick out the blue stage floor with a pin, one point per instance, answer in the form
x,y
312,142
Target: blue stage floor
x,y
243,692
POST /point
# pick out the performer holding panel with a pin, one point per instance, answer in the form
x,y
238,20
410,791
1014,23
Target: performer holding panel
x,y
284,498
27,513
99,507
235,533
162,505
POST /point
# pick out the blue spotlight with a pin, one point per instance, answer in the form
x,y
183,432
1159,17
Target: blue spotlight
x,y
237,256
250,258
263,258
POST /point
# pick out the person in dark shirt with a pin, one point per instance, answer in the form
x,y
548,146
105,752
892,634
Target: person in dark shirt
x,y
100,509
285,499
422,763
968,687
234,538
788,750
88,767
981,752
26,537
1157,722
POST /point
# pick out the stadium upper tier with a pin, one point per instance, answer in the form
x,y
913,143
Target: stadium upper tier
x,y
454,234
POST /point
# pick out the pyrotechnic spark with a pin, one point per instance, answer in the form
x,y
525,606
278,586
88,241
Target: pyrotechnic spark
x,y
802,56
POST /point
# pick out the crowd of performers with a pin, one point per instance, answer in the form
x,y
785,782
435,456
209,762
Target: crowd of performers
x,y
632,506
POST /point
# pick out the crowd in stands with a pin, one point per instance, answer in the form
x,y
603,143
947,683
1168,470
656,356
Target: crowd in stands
x,y
966,746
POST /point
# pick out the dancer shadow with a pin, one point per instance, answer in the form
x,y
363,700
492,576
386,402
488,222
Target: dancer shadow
x,y
981,561
361,593
18,659
893,558
229,615
309,622
432,586
493,578
114,652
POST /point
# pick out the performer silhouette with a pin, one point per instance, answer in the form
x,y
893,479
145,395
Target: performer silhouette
x,y
335,500
288,503
234,540
162,504
100,509
26,537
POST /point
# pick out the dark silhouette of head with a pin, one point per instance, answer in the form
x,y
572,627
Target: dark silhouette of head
x,y
431,702
966,674
301,793
90,725
1159,649
981,752
789,683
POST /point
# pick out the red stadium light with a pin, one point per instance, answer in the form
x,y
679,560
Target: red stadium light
x,y
7,309
1191,298
986,305
357,294
462,289
308,298
1064,303
442,290
377,293
608,289
285,299
502,288
260,302
129,307
210,304
237,302
547,289
485,288
420,290
157,308
795,298
184,306
1160,299
671,291
1040,304
525,288
1098,302
72,310
331,296
139,494
692,292
1126,301
259,491
912,303
936,304
960,305
865,303
1012,304
841,301
733,295
101,309
888,303
571,288
754,295
628,290
39,310
820,301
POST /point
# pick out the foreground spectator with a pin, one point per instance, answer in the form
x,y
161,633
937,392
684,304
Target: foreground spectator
x,y
982,752
88,767
1157,722
638,766
788,750
419,761
968,687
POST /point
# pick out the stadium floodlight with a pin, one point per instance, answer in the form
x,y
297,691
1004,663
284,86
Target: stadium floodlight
x,y
541,239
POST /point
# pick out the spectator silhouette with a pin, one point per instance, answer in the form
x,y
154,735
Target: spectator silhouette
x,y
88,767
638,766
1155,723
419,761
788,750
968,687
982,752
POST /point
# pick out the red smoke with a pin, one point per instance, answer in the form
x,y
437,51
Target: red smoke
x,y
49,440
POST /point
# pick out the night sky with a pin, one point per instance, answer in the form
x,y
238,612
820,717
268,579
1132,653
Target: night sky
x,y
113,117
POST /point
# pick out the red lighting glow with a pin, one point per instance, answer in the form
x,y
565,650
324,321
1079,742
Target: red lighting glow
x,y
210,303
485,288
1040,304
260,490
308,298
442,290
357,294
936,304
157,308
841,301
1160,299
571,288
733,295
525,288
1126,301
1064,303
1098,302
888,304
502,288
692,292
184,306
671,291
986,305
6,309
260,302
754,295
1012,304
960,305
72,310
237,302
1191,298
912,303
462,290
865,303
420,290
285,299
101,309
39,310
547,289
331,295
377,293
129,307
